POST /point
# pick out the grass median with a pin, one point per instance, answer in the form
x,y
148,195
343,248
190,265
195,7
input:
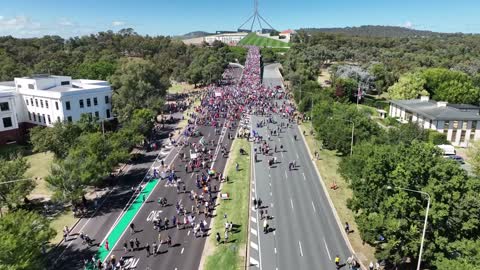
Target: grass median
x,y
231,255
328,167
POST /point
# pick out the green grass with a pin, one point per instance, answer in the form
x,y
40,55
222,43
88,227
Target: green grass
x,y
178,88
253,39
65,218
39,169
328,167
232,255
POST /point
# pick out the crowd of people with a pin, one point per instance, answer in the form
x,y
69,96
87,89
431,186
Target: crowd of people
x,y
222,108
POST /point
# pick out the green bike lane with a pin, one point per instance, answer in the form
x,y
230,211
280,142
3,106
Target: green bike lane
x,y
124,222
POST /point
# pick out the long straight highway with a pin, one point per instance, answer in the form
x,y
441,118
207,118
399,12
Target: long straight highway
x,y
304,232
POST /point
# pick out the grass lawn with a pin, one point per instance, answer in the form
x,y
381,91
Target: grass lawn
x,y
254,39
179,88
328,167
232,255
63,219
39,169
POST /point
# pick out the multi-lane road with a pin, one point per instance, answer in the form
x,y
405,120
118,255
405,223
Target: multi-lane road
x,y
186,251
305,233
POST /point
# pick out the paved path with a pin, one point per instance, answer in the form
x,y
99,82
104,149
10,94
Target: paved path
x,y
305,232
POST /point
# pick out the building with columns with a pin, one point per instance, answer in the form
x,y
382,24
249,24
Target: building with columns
x,y
460,122
46,99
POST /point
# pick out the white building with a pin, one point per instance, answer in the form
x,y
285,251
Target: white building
x,y
459,122
44,100
227,38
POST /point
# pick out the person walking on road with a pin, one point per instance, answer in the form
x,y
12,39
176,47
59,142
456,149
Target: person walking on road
x,y
218,238
347,228
265,226
255,203
226,237
125,246
132,245
147,248
107,247
337,262
259,203
132,228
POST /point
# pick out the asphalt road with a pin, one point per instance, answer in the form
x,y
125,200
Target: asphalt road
x,y
186,250
305,234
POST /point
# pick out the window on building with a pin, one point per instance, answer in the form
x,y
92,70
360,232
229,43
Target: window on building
x,y
29,116
4,106
67,105
46,104
58,119
41,103
56,105
108,113
462,136
31,101
107,99
65,83
7,122
44,120
473,128
31,86
97,115
69,119
446,126
81,103
36,102
89,102
26,101
455,125
34,117
95,101
48,118
19,86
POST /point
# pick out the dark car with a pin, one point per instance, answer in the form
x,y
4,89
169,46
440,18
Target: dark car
x,y
457,158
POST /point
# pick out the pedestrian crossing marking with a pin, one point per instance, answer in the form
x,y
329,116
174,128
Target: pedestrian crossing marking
x,y
253,245
253,219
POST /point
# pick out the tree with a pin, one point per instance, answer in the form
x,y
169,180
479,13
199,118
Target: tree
x,y
57,139
473,153
12,194
346,89
22,235
94,157
100,70
452,86
137,85
409,86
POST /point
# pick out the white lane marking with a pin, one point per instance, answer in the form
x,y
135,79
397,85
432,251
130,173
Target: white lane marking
x,y
273,232
281,154
188,233
253,190
253,231
253,219
275,250
286,176
270,184
271,194
298,157
181,252
253,209
253,245
314,210
300,246
271,205
253,261
304,177
326,247
291,202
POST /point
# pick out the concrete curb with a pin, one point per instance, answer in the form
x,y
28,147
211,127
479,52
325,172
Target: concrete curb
x,y
330,202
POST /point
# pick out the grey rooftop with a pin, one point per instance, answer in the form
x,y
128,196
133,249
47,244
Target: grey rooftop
x,y
435,111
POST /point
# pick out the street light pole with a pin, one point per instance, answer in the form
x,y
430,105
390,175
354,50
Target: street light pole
x,y
351,143
424,224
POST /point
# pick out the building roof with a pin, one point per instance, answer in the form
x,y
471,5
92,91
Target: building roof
x,y
430,109
288,31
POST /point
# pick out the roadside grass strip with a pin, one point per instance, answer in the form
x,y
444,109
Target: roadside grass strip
x,y
231,255
124,222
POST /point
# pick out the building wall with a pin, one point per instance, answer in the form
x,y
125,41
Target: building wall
x,y
8,114
459,133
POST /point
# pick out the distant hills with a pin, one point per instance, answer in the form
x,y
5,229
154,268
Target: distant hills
x,y
194,34
377,31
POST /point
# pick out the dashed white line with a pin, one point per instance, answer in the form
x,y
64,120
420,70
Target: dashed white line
x,y
314,210
253,261
275,250
271,194
188,233
253,245
253,219
300,246
304,177
291,202
298,157
326,247
286,176
253,231
271,205
281,154
181,252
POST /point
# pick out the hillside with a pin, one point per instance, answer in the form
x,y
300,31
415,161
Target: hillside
x,y
195,34
376,31
254,39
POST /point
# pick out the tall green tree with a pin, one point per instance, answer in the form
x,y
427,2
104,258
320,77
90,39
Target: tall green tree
x,y
137,84
22,235
12,194
57,139
409,86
